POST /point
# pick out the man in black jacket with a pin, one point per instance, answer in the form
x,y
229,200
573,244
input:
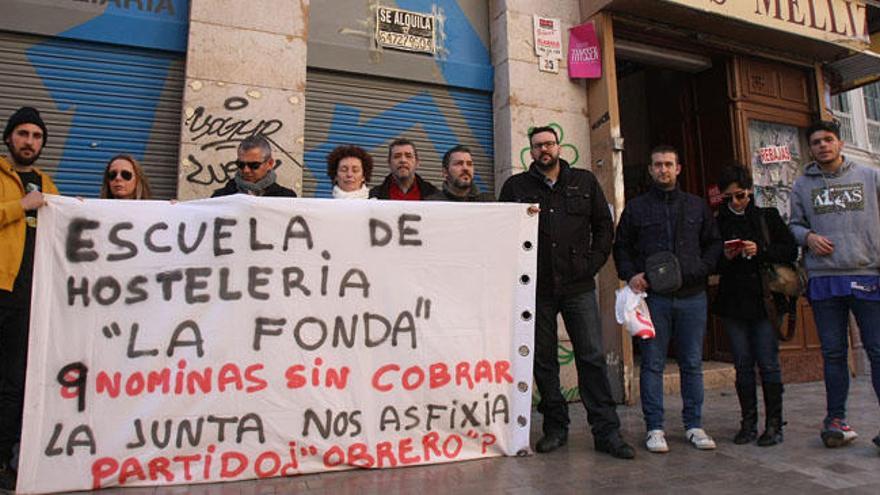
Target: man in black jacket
x,y
574,241
668,219
403,183
256,174
458,178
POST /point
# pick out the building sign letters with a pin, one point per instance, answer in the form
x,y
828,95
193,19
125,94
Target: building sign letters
x,y
836,21
405,30
774,154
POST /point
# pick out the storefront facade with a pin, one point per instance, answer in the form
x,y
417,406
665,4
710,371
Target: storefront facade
x,y
179,83
724,81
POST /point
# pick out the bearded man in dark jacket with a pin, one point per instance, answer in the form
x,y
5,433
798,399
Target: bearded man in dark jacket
x,y
574,240
403,183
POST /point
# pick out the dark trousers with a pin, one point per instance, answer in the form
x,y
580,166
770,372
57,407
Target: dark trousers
x,y
754,342
581,316
13,363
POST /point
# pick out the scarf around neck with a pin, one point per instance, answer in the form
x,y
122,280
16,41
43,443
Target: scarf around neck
x,y
362,193
255,188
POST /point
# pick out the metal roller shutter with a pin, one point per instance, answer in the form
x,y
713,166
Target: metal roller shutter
x,y
370,112
97,100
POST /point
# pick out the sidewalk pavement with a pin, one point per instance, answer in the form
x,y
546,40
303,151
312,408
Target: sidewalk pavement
x,y
800,466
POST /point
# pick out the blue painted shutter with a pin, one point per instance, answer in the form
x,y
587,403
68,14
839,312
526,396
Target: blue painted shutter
x,y
97,100
370,112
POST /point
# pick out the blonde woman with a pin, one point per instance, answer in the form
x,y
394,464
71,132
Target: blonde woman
x,y
125,179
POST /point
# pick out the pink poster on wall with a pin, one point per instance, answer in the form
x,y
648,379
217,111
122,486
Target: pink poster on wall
x,y
584,59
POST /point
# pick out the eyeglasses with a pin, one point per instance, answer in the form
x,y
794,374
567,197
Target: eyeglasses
x,y
126,175
251,165
545,144
739,195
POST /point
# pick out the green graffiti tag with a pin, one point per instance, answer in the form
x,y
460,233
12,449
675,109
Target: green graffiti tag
x,y
565,357
567,151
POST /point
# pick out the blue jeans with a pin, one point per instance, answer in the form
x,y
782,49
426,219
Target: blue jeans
x,y
832,318
581,315
683,319
754,342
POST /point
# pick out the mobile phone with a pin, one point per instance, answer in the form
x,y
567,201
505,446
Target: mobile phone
x,y
734,244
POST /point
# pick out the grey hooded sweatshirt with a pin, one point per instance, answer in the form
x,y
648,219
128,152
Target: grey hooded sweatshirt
x,y
842,207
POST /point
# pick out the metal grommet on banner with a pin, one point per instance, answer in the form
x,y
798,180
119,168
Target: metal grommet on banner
x,y
528,245
522,420
522,387
526,315
523,350
525,279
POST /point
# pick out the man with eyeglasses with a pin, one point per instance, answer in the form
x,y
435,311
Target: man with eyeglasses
x,y
574,241
403,183
21,194
836,217
256,173
668,221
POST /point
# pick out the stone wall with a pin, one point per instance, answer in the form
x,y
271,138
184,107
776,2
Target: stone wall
x,y
526,97
245,74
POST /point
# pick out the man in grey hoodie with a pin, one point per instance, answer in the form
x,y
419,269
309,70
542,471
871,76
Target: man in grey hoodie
x,y
835,215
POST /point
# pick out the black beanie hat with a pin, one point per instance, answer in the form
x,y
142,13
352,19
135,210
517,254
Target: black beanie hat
x,y
25,115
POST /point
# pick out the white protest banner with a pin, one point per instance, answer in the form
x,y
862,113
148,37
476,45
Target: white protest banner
x,y
243,337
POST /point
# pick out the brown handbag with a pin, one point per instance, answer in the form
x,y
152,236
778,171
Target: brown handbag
x,y
781,285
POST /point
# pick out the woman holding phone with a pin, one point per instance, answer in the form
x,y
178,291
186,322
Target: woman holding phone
x,y
740,304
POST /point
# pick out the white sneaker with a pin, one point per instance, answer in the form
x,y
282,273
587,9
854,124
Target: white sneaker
x,y
656,442
700,439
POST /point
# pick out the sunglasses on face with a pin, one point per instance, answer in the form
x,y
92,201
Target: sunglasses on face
x,y
126,175
739,195
251,165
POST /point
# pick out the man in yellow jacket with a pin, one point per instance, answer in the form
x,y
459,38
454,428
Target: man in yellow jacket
x,y
21,194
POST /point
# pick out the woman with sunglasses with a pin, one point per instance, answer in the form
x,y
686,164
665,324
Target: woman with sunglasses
x,y
349,168
740,304
125,179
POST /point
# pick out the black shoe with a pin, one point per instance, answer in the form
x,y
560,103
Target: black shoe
x,y
745,435
773,424
746,392
7,478
877,440
615,446
551,442
771,436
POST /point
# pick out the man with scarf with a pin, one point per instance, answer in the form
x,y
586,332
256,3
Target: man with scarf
x,y
256,174
574,241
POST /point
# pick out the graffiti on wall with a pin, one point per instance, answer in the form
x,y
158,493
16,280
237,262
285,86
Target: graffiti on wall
x,y
215,133
567,151
568,385
217,117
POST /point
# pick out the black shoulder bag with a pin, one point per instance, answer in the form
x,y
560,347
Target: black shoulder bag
x,y
663,269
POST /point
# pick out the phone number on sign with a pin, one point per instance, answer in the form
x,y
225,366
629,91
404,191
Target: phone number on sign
x,y
406,41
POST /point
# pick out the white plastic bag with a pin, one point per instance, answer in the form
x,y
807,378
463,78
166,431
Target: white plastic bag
x,y
632,312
